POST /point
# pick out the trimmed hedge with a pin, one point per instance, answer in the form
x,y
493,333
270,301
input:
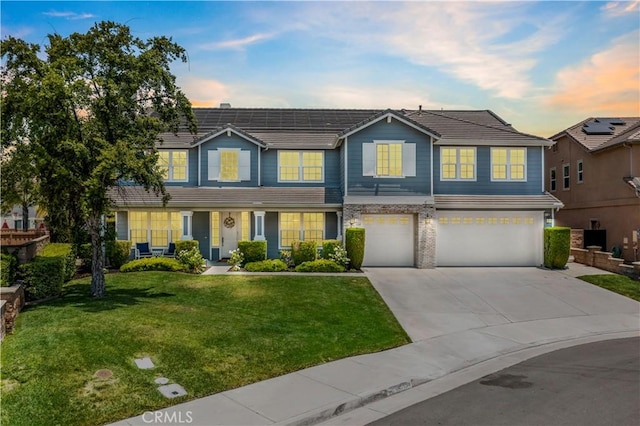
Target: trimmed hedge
x,y
557,247
270,265
67,253
8,266
186,245
253,251
329,247
320,265
354,243
153,264
304,251
43,277
85,255
118,253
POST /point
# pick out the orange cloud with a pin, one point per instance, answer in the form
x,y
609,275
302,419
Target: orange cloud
x,y
608,83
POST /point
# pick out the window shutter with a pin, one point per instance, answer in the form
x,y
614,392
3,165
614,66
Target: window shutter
x,y
244,165
409,159
214,164
368,159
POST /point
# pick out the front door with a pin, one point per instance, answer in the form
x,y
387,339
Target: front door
x,y
230,227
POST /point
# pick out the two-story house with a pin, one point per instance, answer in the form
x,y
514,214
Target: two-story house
x,y
594,169
431,188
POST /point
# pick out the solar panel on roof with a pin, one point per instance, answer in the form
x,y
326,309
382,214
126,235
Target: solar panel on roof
x,y
601,126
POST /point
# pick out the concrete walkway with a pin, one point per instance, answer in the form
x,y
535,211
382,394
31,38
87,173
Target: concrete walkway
x,y
464,323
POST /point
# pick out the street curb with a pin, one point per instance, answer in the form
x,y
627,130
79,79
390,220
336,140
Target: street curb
x,y
501,361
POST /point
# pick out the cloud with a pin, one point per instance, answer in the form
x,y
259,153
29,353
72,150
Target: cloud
x,y
616,9
607,83
206,92
237,44
70,16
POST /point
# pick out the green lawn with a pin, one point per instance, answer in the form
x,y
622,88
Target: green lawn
x,y
207,333
617,283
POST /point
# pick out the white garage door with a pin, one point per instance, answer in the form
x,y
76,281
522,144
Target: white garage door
x,y
388,240
489,238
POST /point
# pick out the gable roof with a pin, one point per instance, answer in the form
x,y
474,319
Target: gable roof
x,y
629,132
385,115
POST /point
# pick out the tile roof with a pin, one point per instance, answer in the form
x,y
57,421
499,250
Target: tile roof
x,y
628,132
208,197
497,202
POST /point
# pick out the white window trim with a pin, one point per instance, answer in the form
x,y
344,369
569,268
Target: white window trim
x,y
508,178
301,230
568,166
301,167
377,176
551,189
219,152
458,168
579,171
169,230
170,165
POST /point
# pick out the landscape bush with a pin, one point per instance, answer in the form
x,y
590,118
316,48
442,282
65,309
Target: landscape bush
x,y
236,259
328,247
118,253
85,256
68,255
269,265
354,243
153,264
186,245
253,251
285,256
320,265
8,266
192,260
557,247
43,277
304,251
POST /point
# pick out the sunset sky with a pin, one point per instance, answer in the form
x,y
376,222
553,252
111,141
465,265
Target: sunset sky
x,y
542,66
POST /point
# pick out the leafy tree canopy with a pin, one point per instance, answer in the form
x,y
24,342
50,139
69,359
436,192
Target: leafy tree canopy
x,y
92,109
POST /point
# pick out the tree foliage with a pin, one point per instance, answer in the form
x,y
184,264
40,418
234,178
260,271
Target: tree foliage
x,y
18,183
92,111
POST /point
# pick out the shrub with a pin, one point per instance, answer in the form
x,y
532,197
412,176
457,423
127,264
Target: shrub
x,y
186,245
328,247
43,277
85,256
339,256
153,264
68,255
8,266
354,243
285,256
557,247
236,259
118,253
320,265
191,260
270,265
253,251
304,251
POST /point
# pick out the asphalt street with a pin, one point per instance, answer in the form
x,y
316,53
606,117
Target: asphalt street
x,y
592,384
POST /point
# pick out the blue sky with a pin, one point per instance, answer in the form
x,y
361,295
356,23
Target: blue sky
x,y
542,66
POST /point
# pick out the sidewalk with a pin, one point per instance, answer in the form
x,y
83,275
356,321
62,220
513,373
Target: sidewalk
x,y
489,334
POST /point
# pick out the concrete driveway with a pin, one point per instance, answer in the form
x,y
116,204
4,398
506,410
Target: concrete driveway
x,y
435,302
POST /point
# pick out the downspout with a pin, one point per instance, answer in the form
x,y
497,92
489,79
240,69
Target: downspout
x,y
346,167
544,171
199,163
432,164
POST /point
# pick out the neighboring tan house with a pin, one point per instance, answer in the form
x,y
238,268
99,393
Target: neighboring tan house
x,y
594,169
431,188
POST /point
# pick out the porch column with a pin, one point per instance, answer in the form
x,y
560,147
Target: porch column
x,y
259,225
339,224
186,225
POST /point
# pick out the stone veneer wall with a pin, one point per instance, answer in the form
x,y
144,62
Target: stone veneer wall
x,y
592,256
577,238
13,300
424,234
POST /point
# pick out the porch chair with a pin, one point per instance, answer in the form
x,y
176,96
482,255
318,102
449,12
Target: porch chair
x,y
143,250
171,251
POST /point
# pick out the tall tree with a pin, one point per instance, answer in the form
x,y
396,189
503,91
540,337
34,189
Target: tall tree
x,y
18,181
92,110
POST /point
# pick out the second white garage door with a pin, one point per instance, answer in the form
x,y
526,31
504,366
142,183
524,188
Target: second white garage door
x,y
489,238
389,240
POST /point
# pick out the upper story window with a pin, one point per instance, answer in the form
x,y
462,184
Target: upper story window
x,y
457,163
296,166
552,179
173,164
566,173
229,165
580,171
509,164
389,159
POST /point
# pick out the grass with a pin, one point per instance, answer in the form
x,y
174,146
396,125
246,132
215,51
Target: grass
x,y
617,283
207,333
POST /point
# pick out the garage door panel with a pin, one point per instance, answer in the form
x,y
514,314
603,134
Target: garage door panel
x,y
388,240
489,238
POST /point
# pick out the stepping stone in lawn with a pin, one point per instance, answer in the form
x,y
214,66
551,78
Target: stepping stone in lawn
x,y
162,380
172,391
144,363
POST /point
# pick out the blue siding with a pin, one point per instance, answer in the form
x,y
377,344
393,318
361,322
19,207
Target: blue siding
x,y
192,170
271,234
269,167
483,184
224,141
343,150
368,185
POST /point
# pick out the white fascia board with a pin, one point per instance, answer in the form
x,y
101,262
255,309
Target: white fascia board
x,y
492,142
229,130
385,117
